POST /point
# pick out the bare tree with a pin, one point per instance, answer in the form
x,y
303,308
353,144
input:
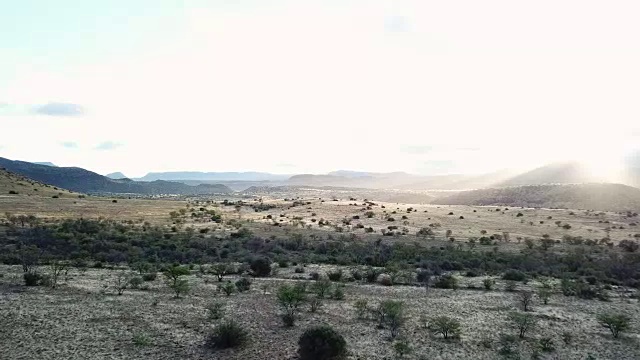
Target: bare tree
x,y
526,299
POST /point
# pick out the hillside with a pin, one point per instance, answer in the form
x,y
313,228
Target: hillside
x,y
18,185
613,197
85,181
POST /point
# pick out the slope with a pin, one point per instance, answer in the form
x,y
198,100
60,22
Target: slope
x,y
609,197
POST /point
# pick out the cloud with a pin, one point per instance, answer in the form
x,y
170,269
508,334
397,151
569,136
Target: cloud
x,y
417,149
69,145
397,24
108,145
59,109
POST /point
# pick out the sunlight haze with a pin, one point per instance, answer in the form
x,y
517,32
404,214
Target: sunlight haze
x,y
426,87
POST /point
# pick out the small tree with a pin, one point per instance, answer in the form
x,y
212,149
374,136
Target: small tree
x,y
290,299
321,287
446,326
321,343
220,270
121,282
391,314
424,277
525,298
174,279
523,322
544,292
616,323
57,268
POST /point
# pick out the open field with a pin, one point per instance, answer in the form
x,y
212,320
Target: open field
x,y
84,317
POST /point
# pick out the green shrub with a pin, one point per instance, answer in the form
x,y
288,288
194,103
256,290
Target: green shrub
x,y
488,284
149,276
315,304
243,284
446,282
228,288
135,282
227,335
215,310
514,275
261,267
335,275
321,343
362,308
31,278
546,344
402,348
141,339
338,293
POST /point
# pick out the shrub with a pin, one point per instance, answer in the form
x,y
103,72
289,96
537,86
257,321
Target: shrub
x,y
362,308
523,322
338,293
616,323
215,310
243,284
135,282
488,284
261,267
446,326
402,348
629,245
514,275
546,344
335,275
321,343
180,287
447,282
321,287
507,344
228,288
227,335
510,286
149,276
141,339
315,304
31,278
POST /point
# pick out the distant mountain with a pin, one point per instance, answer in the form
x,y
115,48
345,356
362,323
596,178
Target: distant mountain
x,y
116,175
573,173
45,163
613,197
82,180
211,176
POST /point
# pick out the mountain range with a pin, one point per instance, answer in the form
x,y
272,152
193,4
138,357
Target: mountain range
x,y
85,181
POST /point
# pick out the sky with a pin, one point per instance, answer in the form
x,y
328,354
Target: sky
x,y
427,87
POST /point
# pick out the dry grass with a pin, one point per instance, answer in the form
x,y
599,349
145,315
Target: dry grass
x,y
79,321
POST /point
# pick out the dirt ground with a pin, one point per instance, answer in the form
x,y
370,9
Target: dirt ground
x,y
85,318
533,223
